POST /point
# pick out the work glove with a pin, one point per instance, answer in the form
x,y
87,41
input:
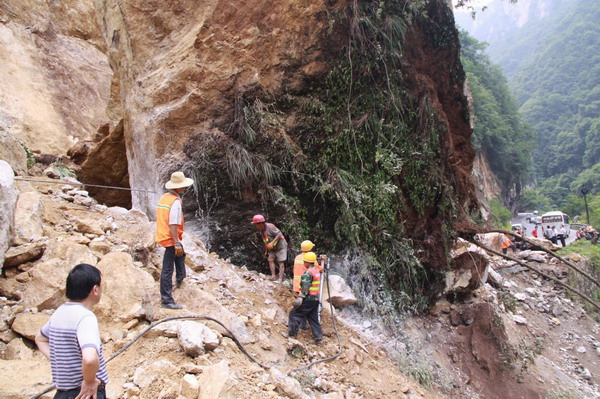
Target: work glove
x,y
269,246
179,250
297,302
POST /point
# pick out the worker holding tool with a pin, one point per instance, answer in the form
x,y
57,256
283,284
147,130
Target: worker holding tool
x,y
169,232
306,306
299,269
275,244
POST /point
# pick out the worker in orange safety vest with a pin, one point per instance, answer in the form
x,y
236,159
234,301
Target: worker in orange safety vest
x,y
306,306
300,269
506,243
169,233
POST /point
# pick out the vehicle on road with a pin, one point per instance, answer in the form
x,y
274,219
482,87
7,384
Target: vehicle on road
x,y
556,219
518,227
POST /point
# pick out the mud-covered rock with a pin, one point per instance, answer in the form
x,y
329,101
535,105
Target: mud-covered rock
x,y
16,349
287,385
154,374
189,386
47,286
89,226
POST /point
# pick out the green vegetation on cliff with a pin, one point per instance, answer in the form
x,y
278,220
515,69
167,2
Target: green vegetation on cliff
x,y
358,160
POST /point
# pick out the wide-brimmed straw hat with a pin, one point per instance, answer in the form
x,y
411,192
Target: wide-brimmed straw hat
x,y
178,180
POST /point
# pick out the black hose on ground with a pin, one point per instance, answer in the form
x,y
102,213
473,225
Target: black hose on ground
x,y
230,335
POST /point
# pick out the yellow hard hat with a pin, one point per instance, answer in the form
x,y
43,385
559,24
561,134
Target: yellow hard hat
x,y
306,246
309,257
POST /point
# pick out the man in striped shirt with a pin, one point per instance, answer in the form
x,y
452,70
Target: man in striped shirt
x,y
71,339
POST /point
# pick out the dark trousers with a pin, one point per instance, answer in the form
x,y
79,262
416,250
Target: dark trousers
x,y
309,310
72,393
561,238
166,275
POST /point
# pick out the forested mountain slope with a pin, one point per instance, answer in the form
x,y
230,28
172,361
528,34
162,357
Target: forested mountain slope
x,y
499,132
553,68
558,87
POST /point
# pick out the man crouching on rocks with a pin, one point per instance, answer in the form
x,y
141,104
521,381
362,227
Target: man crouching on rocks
x,y
306,306
71,339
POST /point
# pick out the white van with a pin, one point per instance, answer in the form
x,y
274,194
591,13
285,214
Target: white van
x,y
556,219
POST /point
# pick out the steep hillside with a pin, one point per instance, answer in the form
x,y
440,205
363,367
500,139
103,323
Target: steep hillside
x,y
521,338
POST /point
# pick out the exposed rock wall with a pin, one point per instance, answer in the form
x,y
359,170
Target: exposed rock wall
x,y
181,65
55,80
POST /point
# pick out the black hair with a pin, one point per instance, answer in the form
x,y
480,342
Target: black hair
x,y
80,281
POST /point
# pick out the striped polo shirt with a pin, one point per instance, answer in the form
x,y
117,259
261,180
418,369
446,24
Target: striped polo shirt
x,y
72,328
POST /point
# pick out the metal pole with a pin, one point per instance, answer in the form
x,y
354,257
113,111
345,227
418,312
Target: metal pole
x,y
584,191
323,277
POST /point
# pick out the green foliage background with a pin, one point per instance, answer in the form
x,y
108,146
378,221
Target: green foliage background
x,y
553,68
499,131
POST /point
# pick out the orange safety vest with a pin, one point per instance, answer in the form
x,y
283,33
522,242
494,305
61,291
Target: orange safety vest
x,y
163,235
505,242
315,286
299,270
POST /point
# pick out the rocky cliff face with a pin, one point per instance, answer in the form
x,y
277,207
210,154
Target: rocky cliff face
x,y
55,81
343,121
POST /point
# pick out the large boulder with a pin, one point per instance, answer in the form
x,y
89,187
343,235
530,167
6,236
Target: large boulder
x,y
13,153
123,285
491,240
469,268
48,278
28,218
8,201
543,243
341,294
